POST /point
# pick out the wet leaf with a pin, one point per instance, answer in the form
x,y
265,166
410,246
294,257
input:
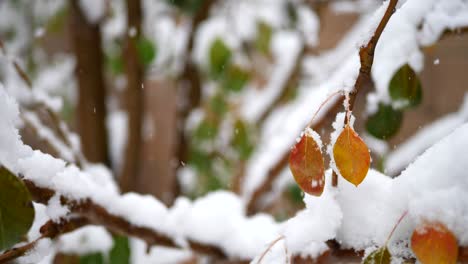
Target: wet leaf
x,y
405,87
433,243
385,123
16,209
306,164
351,156
379,256
220,56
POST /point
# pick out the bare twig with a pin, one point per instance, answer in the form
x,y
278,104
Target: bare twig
x,y
269,248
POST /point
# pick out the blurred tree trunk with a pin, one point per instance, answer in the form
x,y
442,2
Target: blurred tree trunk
x,y
91,109
157,175
134,97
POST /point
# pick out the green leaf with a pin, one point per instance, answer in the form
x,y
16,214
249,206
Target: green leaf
x,y
235,78
405,87
220,56
241,140
57,22
16,209
218,105
379,256
115,63
146,51
120,252
206,130
93,258
188,6
213,183
295,193
200,160
385,123
264,33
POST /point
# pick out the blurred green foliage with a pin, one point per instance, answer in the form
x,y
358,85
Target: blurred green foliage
x,y
263,39
146,51
405,87
220,56
385,123
120,252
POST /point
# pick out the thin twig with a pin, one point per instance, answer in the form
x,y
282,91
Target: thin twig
x,y
269,248
49,230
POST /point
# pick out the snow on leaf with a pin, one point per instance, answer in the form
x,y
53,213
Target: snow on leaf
x,y
351,156
16,209
433,243
306,164
379,256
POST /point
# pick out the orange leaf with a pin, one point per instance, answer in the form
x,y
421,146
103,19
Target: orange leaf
x,y
306,164
433,243
351,156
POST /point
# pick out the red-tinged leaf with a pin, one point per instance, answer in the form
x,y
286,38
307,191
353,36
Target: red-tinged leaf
x,y
351,156
433,243
306,164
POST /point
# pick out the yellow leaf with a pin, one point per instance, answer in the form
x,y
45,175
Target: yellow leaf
x,y
351,156
306,164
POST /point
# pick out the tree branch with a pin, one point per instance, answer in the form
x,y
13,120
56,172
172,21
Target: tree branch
x,y
50,230
95,214
366,55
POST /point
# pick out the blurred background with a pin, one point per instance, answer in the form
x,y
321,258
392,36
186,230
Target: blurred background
x,y
184,97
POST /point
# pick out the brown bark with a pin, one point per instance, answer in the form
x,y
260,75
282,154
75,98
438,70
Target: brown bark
x,y
91,108
157,175
134,98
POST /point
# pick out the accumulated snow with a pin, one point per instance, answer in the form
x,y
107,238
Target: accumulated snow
x,y
46,134
434,186
41,250
424,138
157,255
223,213
86,240
94,10
316,224
117,123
